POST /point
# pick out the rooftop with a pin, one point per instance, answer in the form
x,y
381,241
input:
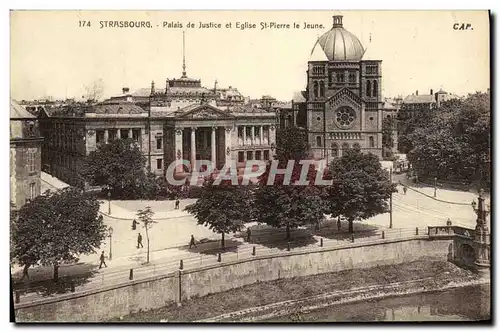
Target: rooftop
x,y
19,112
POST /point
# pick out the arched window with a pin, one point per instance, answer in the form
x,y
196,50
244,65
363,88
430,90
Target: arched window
x,y
368,89
335,150
352,78
375,88
372,141
318,141
315,89
322,89
345,147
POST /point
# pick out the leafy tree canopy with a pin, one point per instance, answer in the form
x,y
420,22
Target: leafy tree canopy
x,y
57,227
119,165
280,203
361,187
224,207
291,144
455,145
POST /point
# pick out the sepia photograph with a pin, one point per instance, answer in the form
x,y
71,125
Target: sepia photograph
x,y
240,166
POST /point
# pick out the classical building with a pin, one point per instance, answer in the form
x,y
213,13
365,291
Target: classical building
x,y
182,121
342,103
25,155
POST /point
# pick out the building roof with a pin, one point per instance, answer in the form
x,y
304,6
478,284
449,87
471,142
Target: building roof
x,y
123,108
419,99
19,112
338,44
388,105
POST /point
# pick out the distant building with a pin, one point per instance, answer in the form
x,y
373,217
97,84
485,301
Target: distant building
x,y
420,102
25,155
293,113
343,98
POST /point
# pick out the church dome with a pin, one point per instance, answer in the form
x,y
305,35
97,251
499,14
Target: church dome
x,y
338,44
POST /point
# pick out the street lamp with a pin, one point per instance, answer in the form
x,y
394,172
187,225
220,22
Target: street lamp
x,y
482,236
110,234
109,200
435,186
481,209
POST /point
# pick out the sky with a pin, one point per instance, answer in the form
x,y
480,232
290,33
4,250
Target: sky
x,y
52,55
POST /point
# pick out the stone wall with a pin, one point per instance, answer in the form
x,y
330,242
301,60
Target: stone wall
x,y
183,285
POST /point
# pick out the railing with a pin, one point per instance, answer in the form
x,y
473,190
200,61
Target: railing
x,y
445,231
100,280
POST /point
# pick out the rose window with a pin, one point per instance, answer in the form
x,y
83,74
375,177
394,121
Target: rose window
x,y
345,117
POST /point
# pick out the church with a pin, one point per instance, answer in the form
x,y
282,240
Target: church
x,y
341,107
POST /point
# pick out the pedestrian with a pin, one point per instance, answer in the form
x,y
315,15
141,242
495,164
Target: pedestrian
x,y
139,241
192,242
25,272
177,204
102,261
249,234
404,190
134,225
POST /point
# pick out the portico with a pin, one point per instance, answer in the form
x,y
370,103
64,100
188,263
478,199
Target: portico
x,y
203,143
206,132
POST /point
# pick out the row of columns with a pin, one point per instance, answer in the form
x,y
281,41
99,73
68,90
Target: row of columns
x,y
252,134
178,145
118,133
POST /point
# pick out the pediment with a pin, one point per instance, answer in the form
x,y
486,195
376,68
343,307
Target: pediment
x,y
344,97
205,112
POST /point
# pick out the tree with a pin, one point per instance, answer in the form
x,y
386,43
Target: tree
x,y
224,207
13,230
408,121
360,188
288,205
94,90
145,217
455,144
291,144
57,227
283,204
119,165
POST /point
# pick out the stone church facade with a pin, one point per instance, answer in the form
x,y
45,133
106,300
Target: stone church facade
x,y
343,99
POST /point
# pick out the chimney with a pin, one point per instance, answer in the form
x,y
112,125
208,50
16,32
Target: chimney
x,y
416,93
337,21
432,92
125,90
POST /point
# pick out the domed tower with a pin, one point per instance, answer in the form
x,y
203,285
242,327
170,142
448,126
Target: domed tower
x,y
344,102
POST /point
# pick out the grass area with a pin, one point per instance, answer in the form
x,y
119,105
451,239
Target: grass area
x,y
288,289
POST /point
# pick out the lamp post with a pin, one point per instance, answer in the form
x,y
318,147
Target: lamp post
x,y
390,199
482,236
110,234
109,200
435,186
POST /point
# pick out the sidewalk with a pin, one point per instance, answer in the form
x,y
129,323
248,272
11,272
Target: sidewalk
x,y
166,261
